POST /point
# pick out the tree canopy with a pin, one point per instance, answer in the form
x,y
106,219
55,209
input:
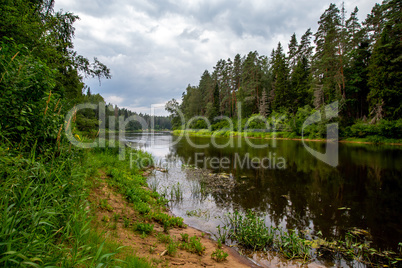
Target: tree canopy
x,y
356,63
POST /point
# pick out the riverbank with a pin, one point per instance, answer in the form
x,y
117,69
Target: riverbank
x,y
86,208
282,136
135,217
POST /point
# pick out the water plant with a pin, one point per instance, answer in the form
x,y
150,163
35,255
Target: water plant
x,y
292,246
176,193
223,233
153,184
250,231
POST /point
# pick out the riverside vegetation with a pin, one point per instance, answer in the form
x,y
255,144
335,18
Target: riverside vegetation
x,y
250,232
354,63
46,218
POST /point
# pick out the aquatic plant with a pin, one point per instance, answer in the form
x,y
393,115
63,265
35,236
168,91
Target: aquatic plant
x,y
250,231
176,193
292,246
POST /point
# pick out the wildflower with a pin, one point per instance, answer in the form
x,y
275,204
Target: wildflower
x,y
78,137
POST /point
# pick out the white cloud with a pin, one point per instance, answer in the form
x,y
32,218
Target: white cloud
x,y
156,48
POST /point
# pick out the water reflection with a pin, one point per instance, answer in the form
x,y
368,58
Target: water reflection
x,y
306,194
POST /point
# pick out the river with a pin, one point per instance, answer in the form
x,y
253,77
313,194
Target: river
x,y
283,181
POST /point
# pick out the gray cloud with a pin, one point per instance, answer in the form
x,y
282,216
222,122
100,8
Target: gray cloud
x,y
156,48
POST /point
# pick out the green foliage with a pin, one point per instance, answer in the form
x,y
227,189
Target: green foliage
x,y
143,228
184,237
357,64
386,65
30,112
384,128
219,255
192,244
164,238
171,249
292,246
142,207
250,231
45,220
103,204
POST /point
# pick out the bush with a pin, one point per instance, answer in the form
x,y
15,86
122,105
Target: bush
x,y
384,128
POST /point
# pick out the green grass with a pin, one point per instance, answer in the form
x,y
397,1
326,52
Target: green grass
x,y
44,220
144,228
192,244
176,193
250,232
44,215
367,138
219,255
171,249
163,238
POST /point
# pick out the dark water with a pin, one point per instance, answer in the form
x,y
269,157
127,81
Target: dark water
x,y
294,189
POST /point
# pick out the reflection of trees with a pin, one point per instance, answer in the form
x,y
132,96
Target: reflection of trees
x,y
309,193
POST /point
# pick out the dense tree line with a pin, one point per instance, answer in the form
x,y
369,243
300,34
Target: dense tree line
x,y
88,119
40,69
356,63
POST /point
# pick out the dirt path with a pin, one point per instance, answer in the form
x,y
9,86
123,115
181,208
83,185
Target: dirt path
x,y
112,220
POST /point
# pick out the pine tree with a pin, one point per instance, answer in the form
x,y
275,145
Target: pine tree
x,y
300,85
327,65
385,69
280,71
206,90
264,109
305,50
293,48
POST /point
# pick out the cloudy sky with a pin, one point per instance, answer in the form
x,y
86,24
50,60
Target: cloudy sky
x,y
156,48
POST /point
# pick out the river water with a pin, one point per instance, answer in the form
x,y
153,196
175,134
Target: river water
x,y
283,181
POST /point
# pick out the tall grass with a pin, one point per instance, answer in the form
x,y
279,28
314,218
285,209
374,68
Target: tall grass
x,y
249,231
176,193
44,220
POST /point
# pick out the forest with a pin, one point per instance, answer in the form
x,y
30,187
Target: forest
x,y
358,64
